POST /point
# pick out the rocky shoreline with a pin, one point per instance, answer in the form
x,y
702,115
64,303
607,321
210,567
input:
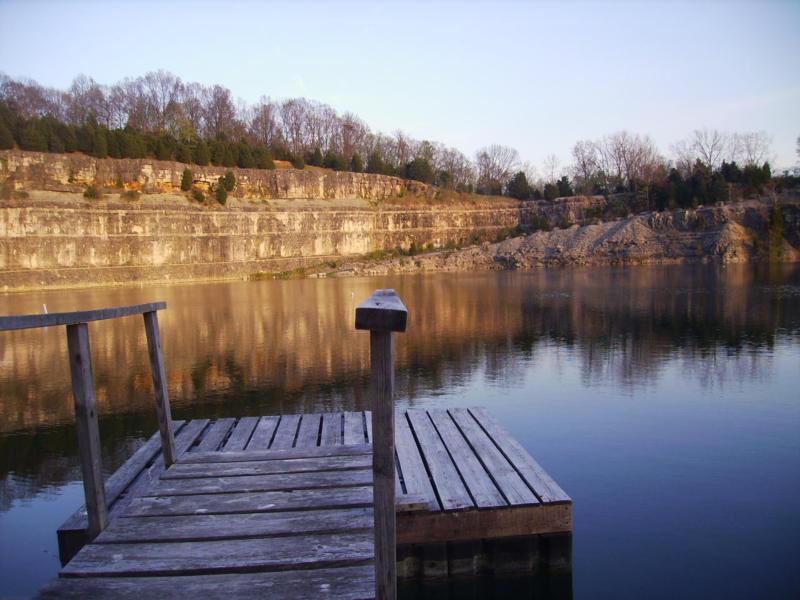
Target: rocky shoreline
x,y
738,233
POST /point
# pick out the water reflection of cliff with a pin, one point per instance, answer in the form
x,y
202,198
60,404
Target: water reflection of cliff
x,y
290,346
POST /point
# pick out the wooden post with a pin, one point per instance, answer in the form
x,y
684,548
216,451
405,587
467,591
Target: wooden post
x,y
382,314
80,366
160,384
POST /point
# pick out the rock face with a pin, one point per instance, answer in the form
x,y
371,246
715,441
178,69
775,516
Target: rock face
x,y
73,172
730,234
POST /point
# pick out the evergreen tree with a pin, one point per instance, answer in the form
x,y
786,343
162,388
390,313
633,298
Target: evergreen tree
x,y
375,163
419,169
32,139
263,158
519,187
245,159
85,139
202,156
6,139
550,191
315,158
229,158
114,150
186,180
100,146
356,164
297,162
334,161
184,154
564,187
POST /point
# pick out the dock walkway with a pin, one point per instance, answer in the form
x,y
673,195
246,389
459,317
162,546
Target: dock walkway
x,y
285,502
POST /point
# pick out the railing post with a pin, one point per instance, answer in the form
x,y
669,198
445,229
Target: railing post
x,y
80,366
160,384
382,314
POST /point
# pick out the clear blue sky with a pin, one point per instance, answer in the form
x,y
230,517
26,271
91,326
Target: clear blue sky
x,y
534,76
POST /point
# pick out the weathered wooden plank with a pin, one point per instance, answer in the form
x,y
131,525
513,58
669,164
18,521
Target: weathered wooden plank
x,y
221,504
163,411
263,433
508,480
210,527
262,483
354,432
344,583
277,454
414,475
308,433
72,533
480,485
286,432
542,484
73,318
331,434
186,558
383,311
80,364
215,435
453,526
295,465
241,434
448,485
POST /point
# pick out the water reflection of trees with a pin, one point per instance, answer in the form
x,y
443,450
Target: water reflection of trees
x,y
290,346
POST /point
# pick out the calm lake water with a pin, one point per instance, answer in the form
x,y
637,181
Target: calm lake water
x,y
664,400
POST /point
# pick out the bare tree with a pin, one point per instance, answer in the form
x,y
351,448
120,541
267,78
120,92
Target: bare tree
x,y
219,113
753,148
711,146
495,165
551,167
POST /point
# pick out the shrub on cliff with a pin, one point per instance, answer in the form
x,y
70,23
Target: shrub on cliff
x,y
356,164
198,195
315,158
186,180
229,181
298,162
222,192
93,192
334,161
419,169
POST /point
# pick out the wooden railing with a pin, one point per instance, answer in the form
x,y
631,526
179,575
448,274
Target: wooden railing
x,y
382,314
80,364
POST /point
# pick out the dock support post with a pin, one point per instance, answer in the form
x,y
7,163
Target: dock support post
x,y
163,411
382,314
80,366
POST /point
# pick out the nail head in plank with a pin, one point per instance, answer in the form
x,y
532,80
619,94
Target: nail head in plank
x,y
477,480
263,433
507,478
543,485
241,434
451,491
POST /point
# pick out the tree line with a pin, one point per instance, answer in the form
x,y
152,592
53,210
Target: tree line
x,y
159,116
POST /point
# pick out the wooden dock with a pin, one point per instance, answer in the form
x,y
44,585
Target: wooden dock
x,y
270,495
300,506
